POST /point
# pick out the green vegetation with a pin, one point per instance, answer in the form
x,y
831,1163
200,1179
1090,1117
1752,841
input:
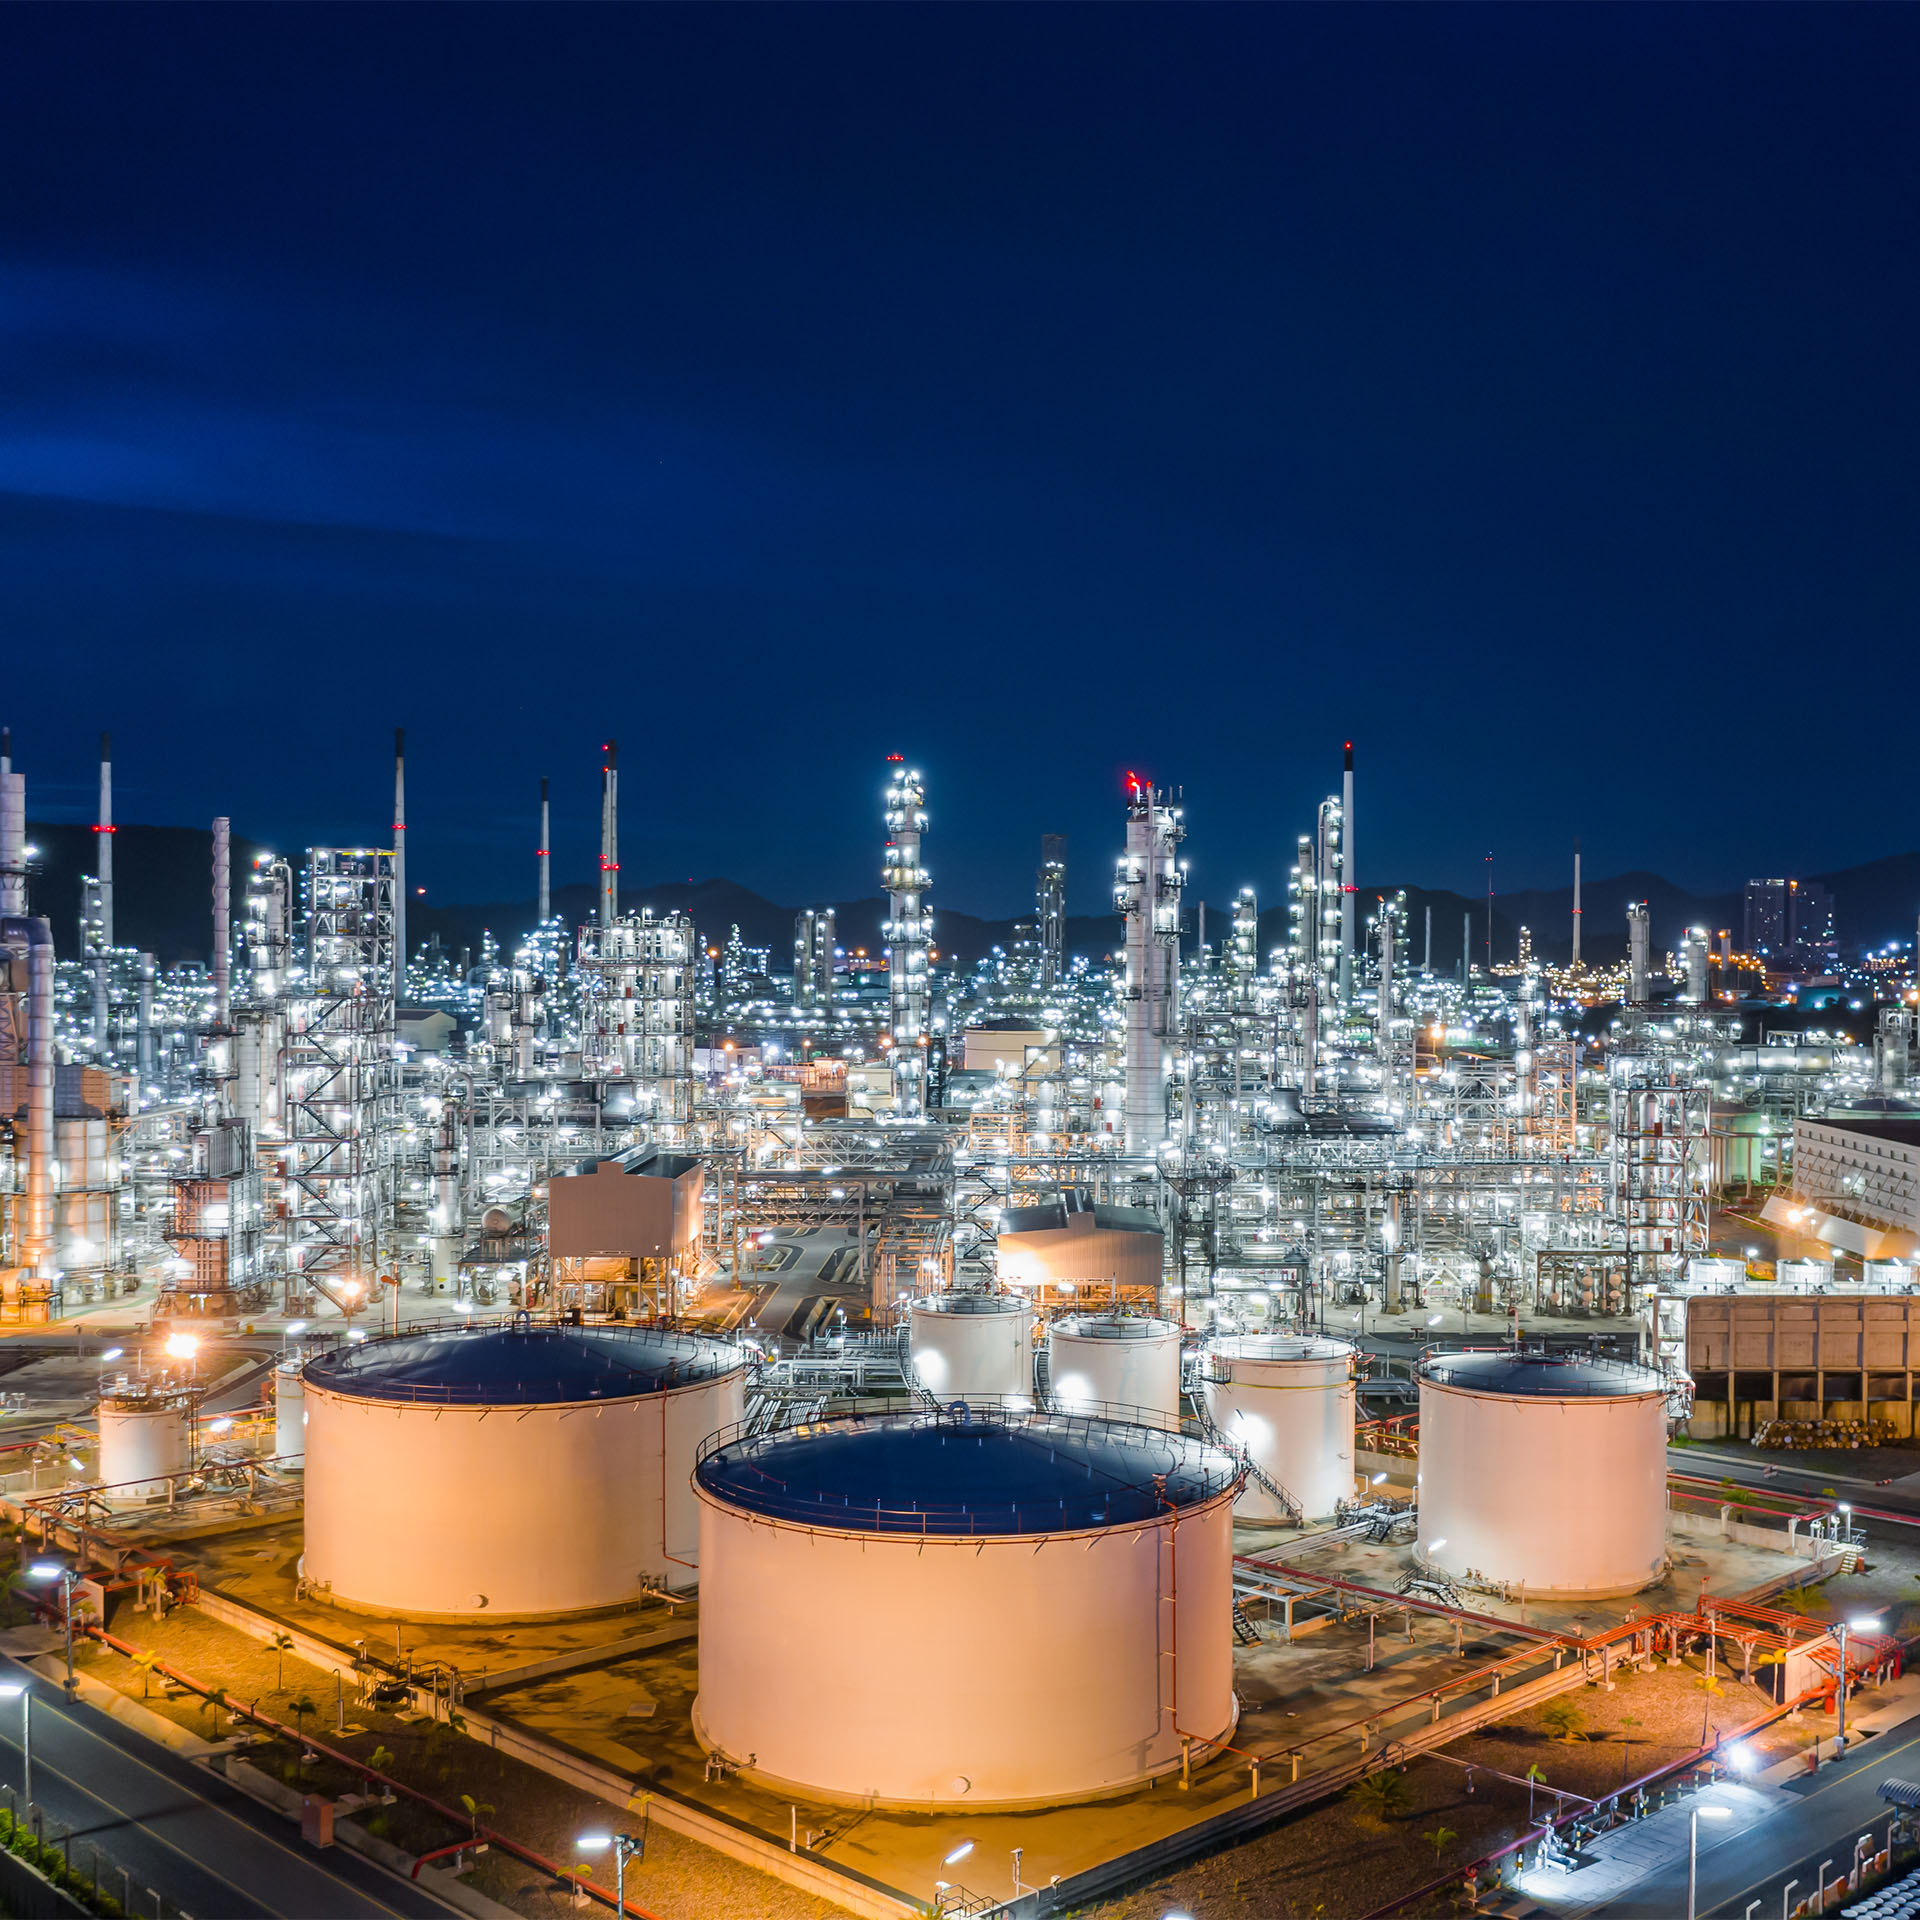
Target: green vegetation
x,y
1380,1797
1439,1839
1563,1721
17,1838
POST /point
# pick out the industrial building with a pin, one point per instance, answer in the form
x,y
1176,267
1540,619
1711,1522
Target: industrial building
x,y
1047,1310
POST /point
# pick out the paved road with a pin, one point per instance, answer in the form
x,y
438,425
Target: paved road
x,y
179,1830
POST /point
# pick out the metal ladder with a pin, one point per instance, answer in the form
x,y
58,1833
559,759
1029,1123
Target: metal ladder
x,y
1244,1631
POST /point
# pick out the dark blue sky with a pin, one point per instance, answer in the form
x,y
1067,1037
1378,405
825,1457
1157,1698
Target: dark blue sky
x,y
1529,393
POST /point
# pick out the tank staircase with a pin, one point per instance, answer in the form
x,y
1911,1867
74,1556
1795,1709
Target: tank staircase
x,y
1422,1583
1245,1633
1258,1474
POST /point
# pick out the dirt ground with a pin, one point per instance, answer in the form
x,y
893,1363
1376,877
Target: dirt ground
x,y
678,1879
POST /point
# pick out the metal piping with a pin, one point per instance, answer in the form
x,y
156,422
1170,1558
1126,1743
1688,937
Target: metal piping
x,y
103,828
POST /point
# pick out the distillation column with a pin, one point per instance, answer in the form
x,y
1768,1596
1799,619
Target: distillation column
x,y
222,943
909,932
609,834
1147,893
546,841
103,920
1576,906
400,863
1639,947
1052,903
13,832
1347,901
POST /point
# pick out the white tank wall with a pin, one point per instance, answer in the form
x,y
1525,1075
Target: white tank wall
x,y
1116,1360
513,1510
1289,1401
289,1414
141,1445
1566,1496
972,1356
1031,1669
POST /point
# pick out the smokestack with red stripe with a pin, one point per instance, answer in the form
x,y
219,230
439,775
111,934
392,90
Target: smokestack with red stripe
x,y
610,833
546,841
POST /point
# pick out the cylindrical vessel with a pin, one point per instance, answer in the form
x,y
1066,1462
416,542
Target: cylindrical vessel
x,y
289,1415
1542,1473
1067,1586
972,1346
143,1439
1110,1361
1288,1399
513,1471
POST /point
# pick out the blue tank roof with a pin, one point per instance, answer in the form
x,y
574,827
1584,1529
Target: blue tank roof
x,y
521,1365
1542,1376
978,1474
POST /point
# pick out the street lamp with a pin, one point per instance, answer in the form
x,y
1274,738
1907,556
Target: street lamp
x,y
625,1846
7,1691
53,1570
1693,1849
1860,1623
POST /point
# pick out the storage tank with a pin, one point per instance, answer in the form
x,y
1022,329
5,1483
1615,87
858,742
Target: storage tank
x,y
1108,1361
144,1437
518,1471
1062,1586
1288,1399
289,1415
972,1346
1547,1473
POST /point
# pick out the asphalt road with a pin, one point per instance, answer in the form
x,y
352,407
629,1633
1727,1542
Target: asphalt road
x,y
1839,1804
1746,1468
179,1830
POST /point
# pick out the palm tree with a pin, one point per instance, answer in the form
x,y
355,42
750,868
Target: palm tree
x,y
282,1645
1563,1720
475,1808
1628,1722
1533,1774
146,1662
300,1708
1381,1796
1439,1839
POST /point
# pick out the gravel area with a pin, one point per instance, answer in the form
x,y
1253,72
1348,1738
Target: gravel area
x,y
1342,1859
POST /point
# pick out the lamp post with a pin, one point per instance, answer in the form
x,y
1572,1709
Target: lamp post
x,y
7,1692
625,1846
1860,1623
1693,1849
53,1570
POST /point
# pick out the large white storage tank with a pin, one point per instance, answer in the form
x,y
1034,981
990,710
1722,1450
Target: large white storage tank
x,y
1064,1587
1109,1361
976,1347
1543,1473
517,1471
144,1437
1288,1399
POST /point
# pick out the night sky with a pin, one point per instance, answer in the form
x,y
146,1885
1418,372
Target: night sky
x,y
1527,393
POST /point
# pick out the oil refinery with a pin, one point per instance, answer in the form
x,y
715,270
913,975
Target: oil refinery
x,y
940,1433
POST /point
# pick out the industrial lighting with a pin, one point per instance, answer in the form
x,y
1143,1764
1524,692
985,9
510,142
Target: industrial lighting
x,y
1436,1546
11,1690
1865,1623
1377,1478
182,1346
593,1842
959,1853
112,1353
45,1570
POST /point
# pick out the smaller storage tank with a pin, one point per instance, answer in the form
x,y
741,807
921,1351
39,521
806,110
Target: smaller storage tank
x,y
1111,1361
973,1346
1546,1472
1288,1399
289,1414
144,1437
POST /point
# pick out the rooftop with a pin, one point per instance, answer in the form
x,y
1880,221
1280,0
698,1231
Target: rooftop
x,y
1544,1376
975,1474
521,1365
